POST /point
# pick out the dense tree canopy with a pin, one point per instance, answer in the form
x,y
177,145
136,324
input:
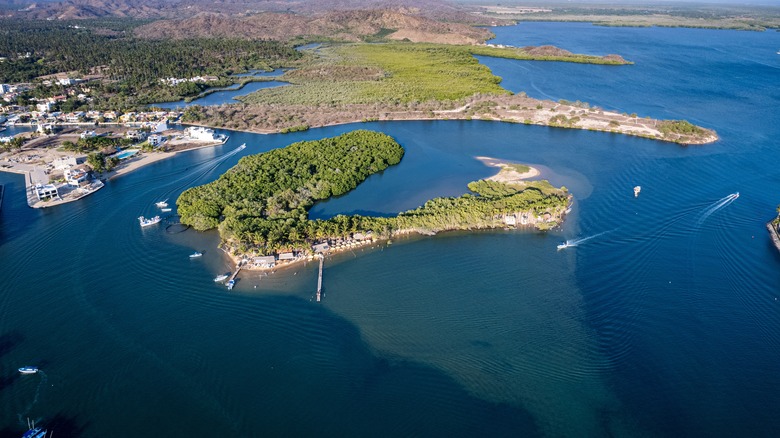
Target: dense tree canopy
x,y
261,204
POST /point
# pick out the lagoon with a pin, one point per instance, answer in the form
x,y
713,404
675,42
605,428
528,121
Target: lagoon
x,y
664,325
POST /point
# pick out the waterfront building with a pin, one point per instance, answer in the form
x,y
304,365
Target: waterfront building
x,y
264,261
155,140
46,191
64,163
286,256
201,133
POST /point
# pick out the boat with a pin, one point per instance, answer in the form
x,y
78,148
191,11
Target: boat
x,y
736,195
35,432
161,204
222,277
242,147
230,284
196,254
637,189
151,221
28,370
165,210
563,245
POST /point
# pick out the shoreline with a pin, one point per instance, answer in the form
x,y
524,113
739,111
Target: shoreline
x,y
339,245
518,109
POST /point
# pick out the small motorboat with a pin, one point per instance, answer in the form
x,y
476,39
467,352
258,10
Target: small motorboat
x,y
161,204
36,432
165,210
736,195
563,245
28,370
230,284
637,189
151,221
222,277
196,254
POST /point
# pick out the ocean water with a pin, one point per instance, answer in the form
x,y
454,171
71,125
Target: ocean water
x,y
664,323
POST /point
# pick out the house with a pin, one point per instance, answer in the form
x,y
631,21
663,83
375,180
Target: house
x,y
75,176
88,134
46,191
136,135
155,140
264,261
74,117
109,115
286,256
321,247
510,220
44,107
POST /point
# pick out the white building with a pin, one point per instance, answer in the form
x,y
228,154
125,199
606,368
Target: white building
x,y
44,107
88,134
46,191
264,261
201,133
74,176
155,140
5,88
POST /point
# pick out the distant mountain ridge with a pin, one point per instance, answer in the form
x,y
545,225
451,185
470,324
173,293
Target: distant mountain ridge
x,y
177,9
347,25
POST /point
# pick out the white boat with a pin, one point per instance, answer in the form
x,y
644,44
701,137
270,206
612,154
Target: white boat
x,y
165,210
242,147
736,195
151,221
222,277
563,245
161,204
637,189
28,370
230,284
196,254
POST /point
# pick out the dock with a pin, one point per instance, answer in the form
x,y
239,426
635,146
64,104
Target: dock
x,y
233,276
319,280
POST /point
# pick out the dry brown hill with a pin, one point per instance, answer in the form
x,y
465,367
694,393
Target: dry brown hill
x,y
341,25
177,9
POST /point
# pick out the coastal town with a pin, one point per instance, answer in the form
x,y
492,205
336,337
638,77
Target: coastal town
x,y
66,156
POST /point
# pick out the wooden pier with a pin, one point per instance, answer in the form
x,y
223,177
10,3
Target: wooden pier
x,y
238,269
319,280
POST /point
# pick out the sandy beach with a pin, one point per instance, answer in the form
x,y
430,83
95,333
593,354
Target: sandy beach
x,y
508,173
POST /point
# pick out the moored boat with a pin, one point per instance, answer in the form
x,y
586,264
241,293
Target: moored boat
x,y
151,221
35,432
222,277
165,210
230,284
196,254
28,370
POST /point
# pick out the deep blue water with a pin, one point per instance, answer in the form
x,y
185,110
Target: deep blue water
x,y
667,324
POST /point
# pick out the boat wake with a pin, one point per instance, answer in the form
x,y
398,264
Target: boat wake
x,y
576,242
38,391
717,205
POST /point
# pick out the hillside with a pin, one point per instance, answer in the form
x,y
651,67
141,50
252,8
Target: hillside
x,y
339,25
177,9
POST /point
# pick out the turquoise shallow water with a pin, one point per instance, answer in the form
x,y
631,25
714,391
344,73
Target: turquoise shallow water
x,y
664,325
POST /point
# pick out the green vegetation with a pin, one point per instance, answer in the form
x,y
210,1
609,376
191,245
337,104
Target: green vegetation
x,y
682,127
131,68
94,143
261,204
522,54
391,72
101,163
265,195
